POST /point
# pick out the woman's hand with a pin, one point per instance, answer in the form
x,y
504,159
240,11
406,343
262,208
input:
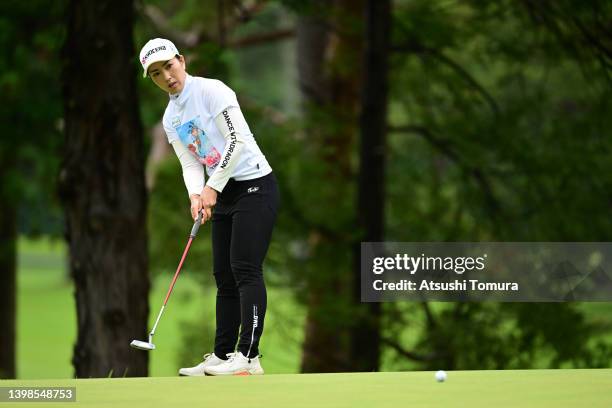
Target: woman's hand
x,y
208,197
196,206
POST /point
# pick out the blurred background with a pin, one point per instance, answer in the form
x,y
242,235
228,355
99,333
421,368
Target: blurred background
x,y
411,120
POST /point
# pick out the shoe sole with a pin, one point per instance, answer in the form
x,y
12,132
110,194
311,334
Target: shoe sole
x,y
191,375
240,374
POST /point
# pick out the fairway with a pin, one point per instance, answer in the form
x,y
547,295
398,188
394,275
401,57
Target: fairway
x,y
510,388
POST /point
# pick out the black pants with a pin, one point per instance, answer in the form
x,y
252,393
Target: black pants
x,y
242,224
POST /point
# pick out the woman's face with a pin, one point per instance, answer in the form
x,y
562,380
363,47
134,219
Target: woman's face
x,y
169,75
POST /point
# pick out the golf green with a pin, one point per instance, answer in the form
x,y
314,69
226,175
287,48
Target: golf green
x,y
511,388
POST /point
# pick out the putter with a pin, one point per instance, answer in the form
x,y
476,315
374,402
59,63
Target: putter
x,y
144,345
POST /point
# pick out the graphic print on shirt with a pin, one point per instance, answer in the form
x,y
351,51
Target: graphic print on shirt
x,y
194,138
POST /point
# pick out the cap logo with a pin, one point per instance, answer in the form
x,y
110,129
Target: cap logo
x,y
151,51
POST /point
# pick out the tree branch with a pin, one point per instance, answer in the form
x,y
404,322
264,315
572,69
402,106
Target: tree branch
x,y
416,47
245,14
444,147
556,22
455,66
161,24
193,37
431,321
260,38
406,353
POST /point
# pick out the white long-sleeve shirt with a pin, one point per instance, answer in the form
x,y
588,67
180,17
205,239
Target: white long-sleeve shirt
x,y
206,128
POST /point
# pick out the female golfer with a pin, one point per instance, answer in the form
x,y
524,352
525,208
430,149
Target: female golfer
x,y
206,128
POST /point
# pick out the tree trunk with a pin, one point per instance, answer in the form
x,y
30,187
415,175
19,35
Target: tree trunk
x,y
102,187
329,56
365,338
8,237
320,341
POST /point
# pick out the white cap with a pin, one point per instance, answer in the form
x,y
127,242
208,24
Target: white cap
x,y
157,49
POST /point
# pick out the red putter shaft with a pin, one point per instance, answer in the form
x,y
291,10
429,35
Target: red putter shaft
x,y
178,270
149,345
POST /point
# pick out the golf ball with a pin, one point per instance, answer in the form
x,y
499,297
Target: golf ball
x,y
440,376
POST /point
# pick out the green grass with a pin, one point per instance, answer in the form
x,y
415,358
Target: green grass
x,y
46,318
533,388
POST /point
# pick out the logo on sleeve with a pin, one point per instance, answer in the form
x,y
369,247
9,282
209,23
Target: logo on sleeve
x,y
232,145
176,121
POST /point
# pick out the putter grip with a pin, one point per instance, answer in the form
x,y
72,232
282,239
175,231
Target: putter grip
x,y
196,225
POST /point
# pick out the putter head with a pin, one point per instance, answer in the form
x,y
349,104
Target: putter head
x,y
142,345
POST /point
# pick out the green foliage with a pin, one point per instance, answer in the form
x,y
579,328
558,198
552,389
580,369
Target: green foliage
x,y
498,336
501,137
32,111
504,141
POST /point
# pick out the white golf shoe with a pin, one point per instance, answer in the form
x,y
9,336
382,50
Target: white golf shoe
x,y
237,364
210,360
